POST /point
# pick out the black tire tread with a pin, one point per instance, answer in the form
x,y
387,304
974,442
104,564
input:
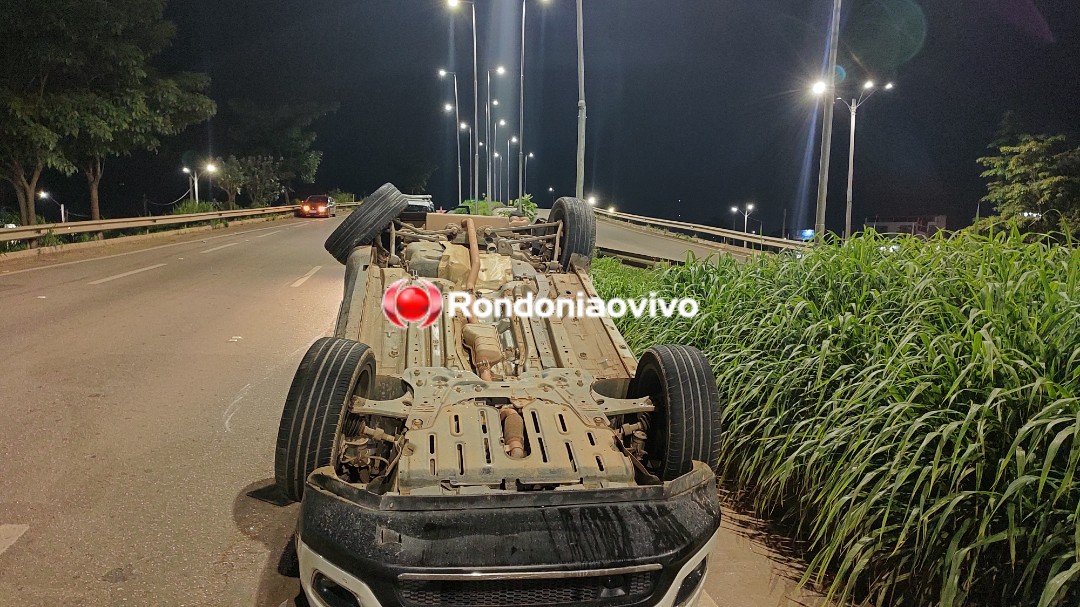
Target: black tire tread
x,y
321,391
364,225
692,417
579,229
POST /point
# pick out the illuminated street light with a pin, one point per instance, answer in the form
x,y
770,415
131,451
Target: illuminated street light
x,y
453,4
592,200
43,195
611,209
210,168
867,92
525,177
499,70
443,73
820,88
746,212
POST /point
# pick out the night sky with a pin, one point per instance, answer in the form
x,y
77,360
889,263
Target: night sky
x,y
694,105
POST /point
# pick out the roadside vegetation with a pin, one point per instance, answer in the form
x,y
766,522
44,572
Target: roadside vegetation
x,y
907,408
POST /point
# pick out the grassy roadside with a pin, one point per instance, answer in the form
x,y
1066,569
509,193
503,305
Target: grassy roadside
x,y
907,408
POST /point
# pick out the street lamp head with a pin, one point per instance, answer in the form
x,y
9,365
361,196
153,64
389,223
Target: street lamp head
x,y
464,126
513,140
820,87
449,107
750,207
187,171
889,86
734,209
453,3
500,70
495,102
502,123
210,168
442,73
497,155
531,155
592,200
480,143
551,189
43,195
869,85
611,209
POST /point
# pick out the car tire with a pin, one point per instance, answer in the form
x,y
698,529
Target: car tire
x,y
579,229
686,423
332,371
364,225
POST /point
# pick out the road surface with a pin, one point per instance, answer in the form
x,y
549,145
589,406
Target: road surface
x,y
140,390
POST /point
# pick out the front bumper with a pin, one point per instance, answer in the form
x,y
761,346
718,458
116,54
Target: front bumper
x,y
617,547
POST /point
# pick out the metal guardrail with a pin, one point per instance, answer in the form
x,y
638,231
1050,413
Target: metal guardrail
x,y
750,239
105,225
637,260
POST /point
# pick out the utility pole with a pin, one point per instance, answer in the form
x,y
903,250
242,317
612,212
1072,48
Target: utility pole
x,y
521,111
826,130
579,190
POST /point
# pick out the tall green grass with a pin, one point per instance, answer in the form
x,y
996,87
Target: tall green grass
x,y
907,408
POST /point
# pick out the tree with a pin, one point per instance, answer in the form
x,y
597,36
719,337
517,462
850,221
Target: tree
x,y
282,132
261,181
231,179
82,89
1035,180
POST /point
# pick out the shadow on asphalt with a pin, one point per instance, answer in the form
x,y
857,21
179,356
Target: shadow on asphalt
x,y
273,526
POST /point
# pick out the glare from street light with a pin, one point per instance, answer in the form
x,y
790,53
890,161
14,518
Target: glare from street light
x,y
820,88
869,85
497,155
611,209
210,168
749,207
464,126
500,70
442,73
43,195
734,209
513,140
480,143
449,107
592,200
502,123
495,102
889,86
531,155
453,3
187,171
551,189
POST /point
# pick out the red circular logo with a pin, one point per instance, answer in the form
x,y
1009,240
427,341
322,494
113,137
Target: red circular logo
x,y
417,303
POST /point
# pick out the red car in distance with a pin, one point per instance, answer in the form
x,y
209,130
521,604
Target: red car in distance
x,y
317,206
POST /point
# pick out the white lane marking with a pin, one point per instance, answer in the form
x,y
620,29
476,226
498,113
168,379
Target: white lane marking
x,y
9,534
164,246
305,277
234,406
126,274
268,234
224,246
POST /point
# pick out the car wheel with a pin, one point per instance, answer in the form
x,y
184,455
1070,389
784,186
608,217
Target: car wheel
x,y
579,229
686,423
330,374
364,225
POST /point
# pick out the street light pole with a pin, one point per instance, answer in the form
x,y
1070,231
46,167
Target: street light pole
x,y
826,131
854,107
465,127
525,178
521,105
457,133
746,211
508,165
580,184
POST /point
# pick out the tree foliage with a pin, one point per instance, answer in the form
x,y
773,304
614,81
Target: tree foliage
x,y
281,132
1034,180
83,89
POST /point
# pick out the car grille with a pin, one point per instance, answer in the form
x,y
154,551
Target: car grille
x,y
590,591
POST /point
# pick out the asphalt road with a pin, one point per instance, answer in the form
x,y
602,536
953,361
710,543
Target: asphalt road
x,y
140,390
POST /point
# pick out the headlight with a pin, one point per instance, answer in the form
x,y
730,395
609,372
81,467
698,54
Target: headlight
x,y
321,209
306,208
